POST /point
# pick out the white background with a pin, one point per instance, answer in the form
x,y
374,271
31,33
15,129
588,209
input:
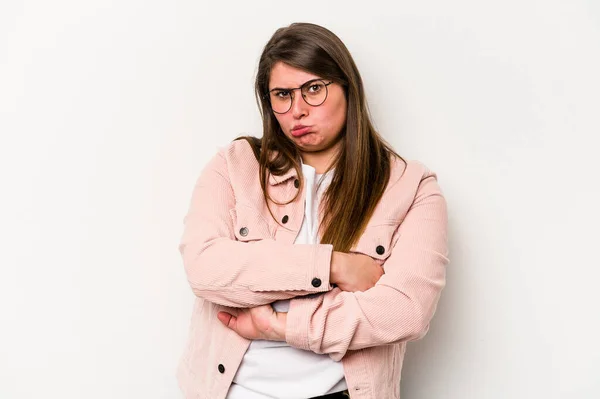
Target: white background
x,y
110,109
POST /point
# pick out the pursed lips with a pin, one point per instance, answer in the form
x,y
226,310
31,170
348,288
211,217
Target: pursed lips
x,y
300,130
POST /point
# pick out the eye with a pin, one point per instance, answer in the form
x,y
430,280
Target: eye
x,y
315,87
281,94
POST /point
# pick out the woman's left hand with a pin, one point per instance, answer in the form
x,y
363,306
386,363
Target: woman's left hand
x,y
261,322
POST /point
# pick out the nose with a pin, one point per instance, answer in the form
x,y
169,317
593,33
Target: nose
x,y
299,106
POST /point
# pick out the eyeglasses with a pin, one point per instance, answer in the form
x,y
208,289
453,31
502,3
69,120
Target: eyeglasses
x,y
314,93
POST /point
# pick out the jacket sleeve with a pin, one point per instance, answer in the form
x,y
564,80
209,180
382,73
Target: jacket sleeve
x,y
239,274
402,303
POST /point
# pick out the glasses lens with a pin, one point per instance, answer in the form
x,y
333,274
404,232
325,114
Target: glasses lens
x,y
315,92
281,100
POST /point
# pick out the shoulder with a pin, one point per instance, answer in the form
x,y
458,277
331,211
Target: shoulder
x,y
237,152
410,180
408,171
233,158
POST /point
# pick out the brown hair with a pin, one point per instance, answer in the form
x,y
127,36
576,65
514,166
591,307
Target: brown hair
x,y
354,192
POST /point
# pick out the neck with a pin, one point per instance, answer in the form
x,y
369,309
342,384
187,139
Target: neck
x,y
320,160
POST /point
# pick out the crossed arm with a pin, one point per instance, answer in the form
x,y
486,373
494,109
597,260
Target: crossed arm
x,y
398,307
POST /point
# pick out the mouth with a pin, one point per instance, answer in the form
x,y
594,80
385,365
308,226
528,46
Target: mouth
x,y
300,131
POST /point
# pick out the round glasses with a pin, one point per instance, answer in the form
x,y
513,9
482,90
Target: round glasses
x,y
314,93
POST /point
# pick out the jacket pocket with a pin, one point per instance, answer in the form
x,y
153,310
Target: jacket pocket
x,y
249,224
378,240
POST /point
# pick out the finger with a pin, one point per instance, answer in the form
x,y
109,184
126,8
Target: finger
x,y
227,319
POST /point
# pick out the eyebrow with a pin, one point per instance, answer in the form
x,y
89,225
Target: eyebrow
x,y
289,88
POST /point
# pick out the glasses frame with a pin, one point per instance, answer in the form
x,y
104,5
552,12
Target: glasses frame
x,y
291,90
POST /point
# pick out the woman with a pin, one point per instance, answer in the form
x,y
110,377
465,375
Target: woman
x,y
315,252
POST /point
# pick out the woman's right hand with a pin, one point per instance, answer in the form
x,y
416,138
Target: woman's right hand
x,y
354,272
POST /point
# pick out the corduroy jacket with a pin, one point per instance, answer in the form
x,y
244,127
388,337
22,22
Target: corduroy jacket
x,y
237,256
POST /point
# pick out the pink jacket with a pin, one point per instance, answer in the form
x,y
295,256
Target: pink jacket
x,y
236,256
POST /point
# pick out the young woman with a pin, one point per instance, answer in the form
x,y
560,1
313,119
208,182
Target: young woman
x,y
315,252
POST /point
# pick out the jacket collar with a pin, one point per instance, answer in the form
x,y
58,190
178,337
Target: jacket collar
x,y
274,180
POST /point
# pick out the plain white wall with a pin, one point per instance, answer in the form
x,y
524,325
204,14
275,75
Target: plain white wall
x,y
110,109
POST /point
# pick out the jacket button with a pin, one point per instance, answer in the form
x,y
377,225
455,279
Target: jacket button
x,y
380,250
285,219
221,368
296,183
316,282
244,231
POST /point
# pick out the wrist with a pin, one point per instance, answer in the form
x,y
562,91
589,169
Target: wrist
x,y
335,269
279,326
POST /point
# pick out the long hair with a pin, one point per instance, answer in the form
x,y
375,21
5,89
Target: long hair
x,y
362,166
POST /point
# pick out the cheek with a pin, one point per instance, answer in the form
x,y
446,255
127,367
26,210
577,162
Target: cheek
x,y
281,120
334,118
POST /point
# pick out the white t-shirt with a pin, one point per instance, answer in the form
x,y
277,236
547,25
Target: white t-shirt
x,y
273,369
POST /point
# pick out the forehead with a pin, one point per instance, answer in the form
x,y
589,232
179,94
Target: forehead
x,y
286,76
